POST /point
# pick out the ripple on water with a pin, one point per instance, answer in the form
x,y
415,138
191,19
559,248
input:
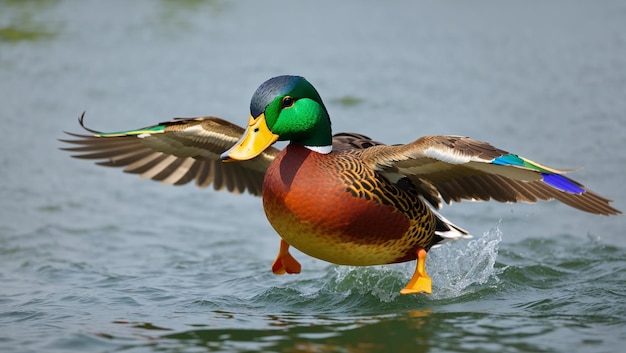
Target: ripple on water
x,y
457,270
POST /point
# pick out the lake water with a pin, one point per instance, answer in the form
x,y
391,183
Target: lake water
x,y
93,260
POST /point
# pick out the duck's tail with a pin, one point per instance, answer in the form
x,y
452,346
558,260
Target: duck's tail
x,y
446,231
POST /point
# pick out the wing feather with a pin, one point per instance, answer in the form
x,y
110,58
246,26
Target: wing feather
x,y
176,152
453,168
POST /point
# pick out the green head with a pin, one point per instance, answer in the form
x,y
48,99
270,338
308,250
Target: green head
x,y
293,110
286,108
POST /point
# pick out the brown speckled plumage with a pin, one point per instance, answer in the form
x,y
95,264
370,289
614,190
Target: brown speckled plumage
x,y
319,202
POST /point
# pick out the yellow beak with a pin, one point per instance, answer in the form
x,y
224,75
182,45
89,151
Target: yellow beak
x,y
255,140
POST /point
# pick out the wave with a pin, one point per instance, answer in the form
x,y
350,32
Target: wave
x,y
457,269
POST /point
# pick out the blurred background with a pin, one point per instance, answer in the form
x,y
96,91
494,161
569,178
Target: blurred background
x,y
95,260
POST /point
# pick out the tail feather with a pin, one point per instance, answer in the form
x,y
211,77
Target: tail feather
x,y
446,231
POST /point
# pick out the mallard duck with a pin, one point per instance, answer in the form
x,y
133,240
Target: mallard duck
x,y
345,199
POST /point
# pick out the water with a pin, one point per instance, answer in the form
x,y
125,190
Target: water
x,y
92,260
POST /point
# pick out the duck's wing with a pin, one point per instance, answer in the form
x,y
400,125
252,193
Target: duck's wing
x,y
350,140
452,168
177,152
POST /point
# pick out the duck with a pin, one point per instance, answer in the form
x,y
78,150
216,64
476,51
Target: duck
x,y
343,198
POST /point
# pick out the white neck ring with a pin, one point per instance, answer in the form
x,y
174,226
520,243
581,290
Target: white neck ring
x,y
321,149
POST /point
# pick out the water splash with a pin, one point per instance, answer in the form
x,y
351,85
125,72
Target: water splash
x,y
460,267
457,268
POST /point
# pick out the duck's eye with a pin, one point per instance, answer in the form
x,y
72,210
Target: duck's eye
x,y
288,101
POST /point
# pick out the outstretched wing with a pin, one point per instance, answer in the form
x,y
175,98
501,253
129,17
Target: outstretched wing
x,y
177,152
452,168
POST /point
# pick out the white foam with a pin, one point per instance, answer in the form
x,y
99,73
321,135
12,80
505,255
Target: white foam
x,y
456,266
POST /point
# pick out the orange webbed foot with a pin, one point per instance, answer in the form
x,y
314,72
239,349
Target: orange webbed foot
x,y
285,263
420,282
